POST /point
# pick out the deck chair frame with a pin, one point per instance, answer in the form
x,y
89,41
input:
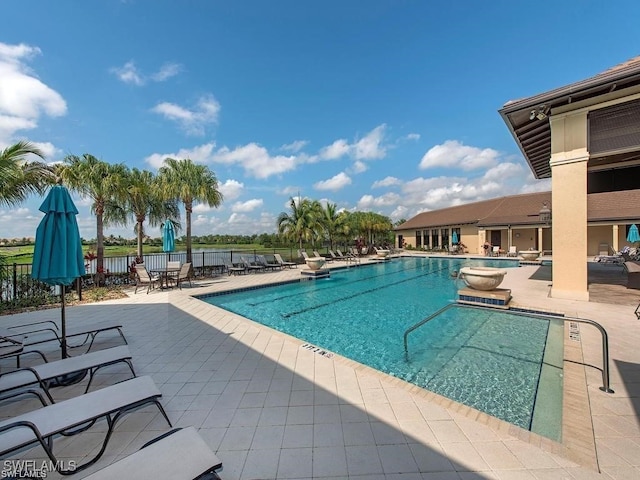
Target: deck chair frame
x,y
77,415
42,376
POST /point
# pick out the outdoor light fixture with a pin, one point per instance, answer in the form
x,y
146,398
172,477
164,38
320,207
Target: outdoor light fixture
x,y
540,113
545,214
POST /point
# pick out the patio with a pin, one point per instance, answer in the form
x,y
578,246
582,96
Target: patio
x,y
270,408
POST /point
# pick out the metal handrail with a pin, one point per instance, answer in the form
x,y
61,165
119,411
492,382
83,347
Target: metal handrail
x,y
605,338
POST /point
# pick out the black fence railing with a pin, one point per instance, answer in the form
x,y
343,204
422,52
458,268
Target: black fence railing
x,y
18,290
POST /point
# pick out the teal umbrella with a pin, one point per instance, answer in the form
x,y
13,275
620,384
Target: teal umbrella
x,y
633,236
454,238
168,237
57,256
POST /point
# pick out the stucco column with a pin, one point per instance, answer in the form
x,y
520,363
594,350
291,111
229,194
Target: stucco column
x,y
569,205
509,237
540,245
614,234
482,237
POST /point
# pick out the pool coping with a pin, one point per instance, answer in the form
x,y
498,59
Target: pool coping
x,y
578,439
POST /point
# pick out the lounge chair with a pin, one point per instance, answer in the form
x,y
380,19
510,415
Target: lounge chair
x,y
14,382
235,269
316,254
144,278
48,331
336,257
262,260
184,275
178,454
282,263
304,255
513,251
495,251
77,415
251,266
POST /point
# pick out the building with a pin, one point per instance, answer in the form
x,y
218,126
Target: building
x,y
585,137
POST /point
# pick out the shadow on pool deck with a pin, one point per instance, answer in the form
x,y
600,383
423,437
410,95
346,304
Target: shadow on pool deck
x,y
607,283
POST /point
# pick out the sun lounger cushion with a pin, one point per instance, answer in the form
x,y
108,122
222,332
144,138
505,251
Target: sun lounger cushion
x,y
181,455
42,373
109,402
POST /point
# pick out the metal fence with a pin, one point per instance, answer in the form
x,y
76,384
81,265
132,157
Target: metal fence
x,y
19,290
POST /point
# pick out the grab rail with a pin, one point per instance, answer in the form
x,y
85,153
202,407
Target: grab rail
x,y
605,338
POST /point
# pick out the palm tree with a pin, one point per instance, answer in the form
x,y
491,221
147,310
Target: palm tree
x,y
104,184
19,177
188,182
144,201
333,222
301,224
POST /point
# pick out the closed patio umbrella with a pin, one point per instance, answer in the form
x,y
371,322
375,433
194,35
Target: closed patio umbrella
x,y
57,256
454,238
633,236
168,237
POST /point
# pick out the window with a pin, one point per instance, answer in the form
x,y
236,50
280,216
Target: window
x,y
435,243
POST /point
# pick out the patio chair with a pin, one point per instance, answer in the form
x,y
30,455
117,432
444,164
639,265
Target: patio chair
x,y
336,257
76,415
22,380
513,251
184,275
279,259
267,264
251,266
495,251
173,269
144,278
37,333
235,269
177,454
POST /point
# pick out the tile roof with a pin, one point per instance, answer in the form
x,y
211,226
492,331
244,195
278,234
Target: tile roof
x,y
524,209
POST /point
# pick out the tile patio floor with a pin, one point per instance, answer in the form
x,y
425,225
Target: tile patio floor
x,y
271,409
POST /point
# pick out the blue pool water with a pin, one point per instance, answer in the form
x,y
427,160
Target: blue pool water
x,y
487,359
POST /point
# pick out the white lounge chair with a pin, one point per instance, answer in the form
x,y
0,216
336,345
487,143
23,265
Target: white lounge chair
x,y
513,251
279,259
14,382
77,415
180,454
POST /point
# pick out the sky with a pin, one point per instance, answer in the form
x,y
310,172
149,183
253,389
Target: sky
x,y
387,106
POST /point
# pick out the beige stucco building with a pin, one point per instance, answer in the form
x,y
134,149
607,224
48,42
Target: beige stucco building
x,y
586,138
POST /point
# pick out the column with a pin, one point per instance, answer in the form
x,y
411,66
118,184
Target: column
x,y
540,239
568,163
614,234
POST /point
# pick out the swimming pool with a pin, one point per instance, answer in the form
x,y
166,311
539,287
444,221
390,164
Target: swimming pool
x,y
488,359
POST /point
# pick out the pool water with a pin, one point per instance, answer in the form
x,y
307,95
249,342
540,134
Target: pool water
x,y
484,358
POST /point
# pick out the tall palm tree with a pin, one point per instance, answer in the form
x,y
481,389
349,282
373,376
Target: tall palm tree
x,y
188,182
333,222
145,202
300,224
20,177
105,185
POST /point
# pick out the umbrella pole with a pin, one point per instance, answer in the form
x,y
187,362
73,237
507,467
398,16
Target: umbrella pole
x,y
63,343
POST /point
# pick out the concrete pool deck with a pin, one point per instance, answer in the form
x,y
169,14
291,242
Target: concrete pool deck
x,y
271,408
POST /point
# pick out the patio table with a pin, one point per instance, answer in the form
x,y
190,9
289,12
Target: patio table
x,y
164,274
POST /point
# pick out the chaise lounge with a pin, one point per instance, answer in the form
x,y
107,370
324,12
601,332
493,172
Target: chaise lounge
x,y
21,381
77,415
178,454
633,274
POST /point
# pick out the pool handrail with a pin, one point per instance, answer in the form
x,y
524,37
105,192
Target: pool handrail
x,y
605,338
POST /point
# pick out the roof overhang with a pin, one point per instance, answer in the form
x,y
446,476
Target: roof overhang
x,y
528,118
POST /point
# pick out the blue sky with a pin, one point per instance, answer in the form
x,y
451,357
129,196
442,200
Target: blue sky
x,y
385,106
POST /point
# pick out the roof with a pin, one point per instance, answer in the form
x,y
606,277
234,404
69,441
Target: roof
x,y
524,209
533,133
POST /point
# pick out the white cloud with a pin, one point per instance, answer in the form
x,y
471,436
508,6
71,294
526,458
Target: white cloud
x,y
503,171
368,202
413,136
23,97
255,160
199,154
336,150
129,73
359,167
193,121
387,182
337,182
534,185
231,189
294,147
248,206
167,71
290,191
452,154
370,146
